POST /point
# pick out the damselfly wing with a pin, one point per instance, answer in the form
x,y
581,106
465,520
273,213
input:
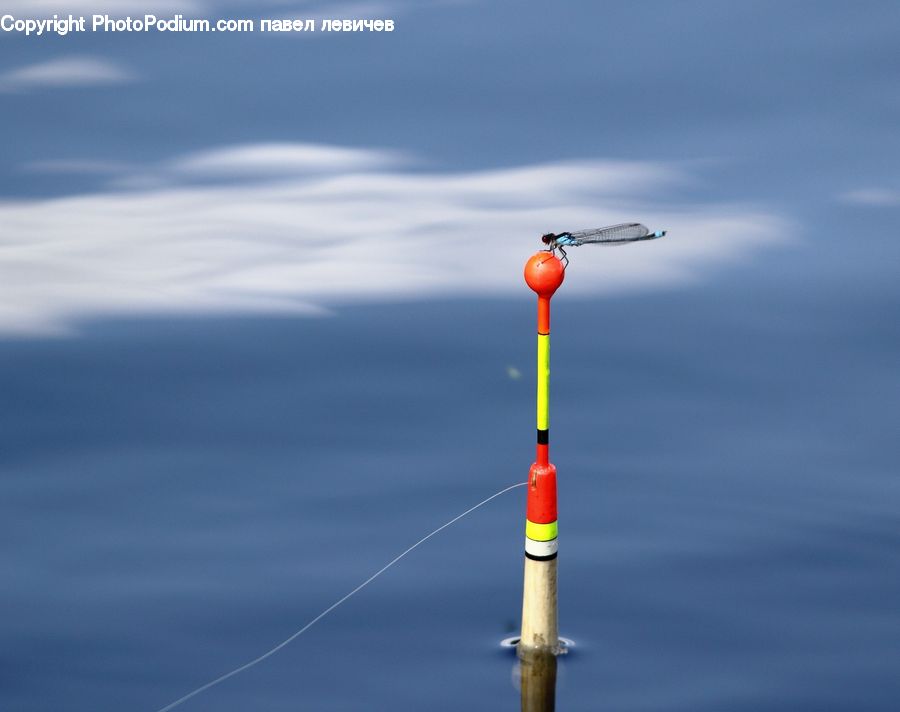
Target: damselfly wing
x,y
611,236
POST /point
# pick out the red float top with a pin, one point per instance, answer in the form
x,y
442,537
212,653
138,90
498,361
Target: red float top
x,y
544,272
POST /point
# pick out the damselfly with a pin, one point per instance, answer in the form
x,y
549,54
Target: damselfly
x,y
620,234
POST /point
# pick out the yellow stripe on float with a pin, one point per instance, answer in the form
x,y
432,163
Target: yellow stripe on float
x,y
543,382
540,532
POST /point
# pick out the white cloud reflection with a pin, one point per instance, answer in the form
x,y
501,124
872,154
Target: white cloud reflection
x,y
262,159
878,197
300,240
65,72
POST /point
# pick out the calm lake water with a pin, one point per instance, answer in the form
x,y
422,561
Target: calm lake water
x,y
178,496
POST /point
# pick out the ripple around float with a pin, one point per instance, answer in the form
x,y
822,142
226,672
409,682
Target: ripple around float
x,y
565,644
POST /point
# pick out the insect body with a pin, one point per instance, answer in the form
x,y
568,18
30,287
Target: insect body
x,y
620,234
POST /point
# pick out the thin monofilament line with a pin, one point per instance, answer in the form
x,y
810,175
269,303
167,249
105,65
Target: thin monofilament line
x,y
286,641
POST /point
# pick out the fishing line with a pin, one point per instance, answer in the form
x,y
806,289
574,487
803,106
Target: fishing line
x,y
294,636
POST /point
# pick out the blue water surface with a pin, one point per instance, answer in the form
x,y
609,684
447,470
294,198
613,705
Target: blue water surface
x,y
178,495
